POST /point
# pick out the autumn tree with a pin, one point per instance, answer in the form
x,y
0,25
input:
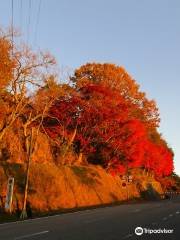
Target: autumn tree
x,y
6,62
111,126
101,116
96,118
23,71
117,78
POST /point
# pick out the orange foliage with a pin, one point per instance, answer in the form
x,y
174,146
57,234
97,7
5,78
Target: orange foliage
x,y
6,63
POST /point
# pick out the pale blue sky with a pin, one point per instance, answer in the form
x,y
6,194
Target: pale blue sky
x,y
141,35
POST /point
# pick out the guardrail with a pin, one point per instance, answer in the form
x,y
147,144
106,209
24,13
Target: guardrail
x,y
169,194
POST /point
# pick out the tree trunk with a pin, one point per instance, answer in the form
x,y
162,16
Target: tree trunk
x,y
79,161
29,148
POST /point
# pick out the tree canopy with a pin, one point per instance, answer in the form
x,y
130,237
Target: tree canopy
x,y
100,116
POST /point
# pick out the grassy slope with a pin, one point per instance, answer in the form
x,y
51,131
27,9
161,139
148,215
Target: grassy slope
x,y
53,187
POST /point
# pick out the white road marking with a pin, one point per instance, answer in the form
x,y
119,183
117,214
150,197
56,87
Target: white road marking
x,y
165,218
56,215
177,212
170,215
42,218
128,236
30,235
136,210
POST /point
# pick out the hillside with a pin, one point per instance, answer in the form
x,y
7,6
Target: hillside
x,y
53,187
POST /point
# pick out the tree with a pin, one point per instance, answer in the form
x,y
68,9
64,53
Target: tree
x,y
6,63
98,123
117,78
24,71
92,116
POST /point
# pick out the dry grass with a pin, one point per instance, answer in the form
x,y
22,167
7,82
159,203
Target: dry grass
x,y
66,187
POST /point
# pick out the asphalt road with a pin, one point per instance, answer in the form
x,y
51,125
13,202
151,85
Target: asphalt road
x,y
109,223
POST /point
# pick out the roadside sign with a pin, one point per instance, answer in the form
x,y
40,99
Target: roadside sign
x,y
123,184
127,178
124,177
9,194
130,178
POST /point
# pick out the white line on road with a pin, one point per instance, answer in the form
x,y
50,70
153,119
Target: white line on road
x,y
81,212
136,210
165,218
40,218
128,236
170,215
177,212
30,235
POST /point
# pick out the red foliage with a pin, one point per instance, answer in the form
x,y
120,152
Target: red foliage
x,y
106,131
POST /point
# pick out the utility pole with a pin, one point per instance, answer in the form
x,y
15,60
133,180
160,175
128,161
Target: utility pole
x,y
29,150
127,181
127,189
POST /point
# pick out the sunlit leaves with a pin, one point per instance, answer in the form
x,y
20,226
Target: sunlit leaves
x,y
107,131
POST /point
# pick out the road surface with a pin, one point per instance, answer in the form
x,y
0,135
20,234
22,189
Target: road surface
x,y
109,223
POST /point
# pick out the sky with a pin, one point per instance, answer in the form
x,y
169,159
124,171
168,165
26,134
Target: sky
x,y
141,35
